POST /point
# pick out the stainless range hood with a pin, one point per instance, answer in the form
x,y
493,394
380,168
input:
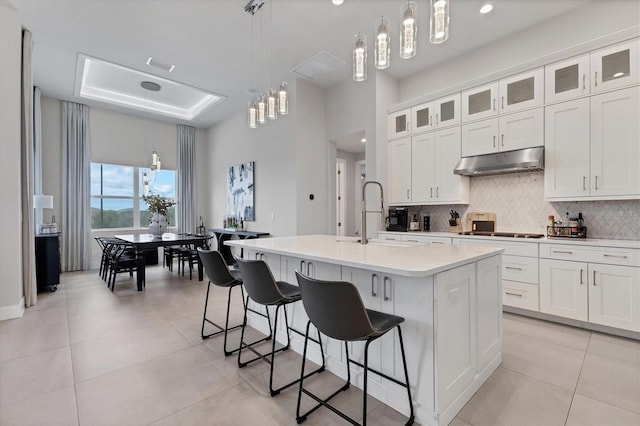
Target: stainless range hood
x,y
522,160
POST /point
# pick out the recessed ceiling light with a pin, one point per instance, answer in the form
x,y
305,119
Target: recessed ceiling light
x,y
337,2
363,140
486,8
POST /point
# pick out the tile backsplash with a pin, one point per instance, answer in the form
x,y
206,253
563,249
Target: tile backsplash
x,y
519,204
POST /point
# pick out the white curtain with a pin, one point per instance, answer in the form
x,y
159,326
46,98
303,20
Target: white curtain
x,y
30,287
37,149
76,175
186,185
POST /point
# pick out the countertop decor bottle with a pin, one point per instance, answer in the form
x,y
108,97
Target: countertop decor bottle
x,y
551,229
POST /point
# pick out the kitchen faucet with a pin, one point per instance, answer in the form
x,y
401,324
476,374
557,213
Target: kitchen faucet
x,y
363,224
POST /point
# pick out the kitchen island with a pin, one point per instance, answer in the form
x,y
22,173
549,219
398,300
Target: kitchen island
x,y
450,297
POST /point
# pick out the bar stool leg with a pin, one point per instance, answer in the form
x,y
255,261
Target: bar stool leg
x,y
406,378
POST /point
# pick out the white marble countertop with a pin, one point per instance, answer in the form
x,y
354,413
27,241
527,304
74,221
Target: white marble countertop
x,y
393,257
553,240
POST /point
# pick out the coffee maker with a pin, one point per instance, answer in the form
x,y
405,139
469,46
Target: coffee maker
x,y
398,219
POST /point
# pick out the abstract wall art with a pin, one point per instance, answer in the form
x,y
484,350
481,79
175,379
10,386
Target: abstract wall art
x,y
240,194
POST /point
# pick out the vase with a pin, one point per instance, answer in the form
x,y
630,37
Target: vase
x,y
158,225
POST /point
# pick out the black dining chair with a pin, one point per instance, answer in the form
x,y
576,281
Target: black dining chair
x,y
336,309
263,289
122,259
219,274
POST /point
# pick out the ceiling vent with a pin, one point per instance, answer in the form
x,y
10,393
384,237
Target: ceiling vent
x,y
154,62
320,64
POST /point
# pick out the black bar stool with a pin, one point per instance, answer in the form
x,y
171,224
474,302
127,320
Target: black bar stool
x,y
219,274
336,309
262,288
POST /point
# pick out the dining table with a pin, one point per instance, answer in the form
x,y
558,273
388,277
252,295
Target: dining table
x,y
142,242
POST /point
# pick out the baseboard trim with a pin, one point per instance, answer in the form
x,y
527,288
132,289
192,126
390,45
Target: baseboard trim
x,y
14,311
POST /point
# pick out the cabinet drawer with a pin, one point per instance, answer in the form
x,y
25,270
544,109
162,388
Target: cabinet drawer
x,y
510,247
519,268
520,295
426,239
608,255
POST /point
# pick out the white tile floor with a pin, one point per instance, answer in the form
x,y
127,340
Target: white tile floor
x,y
85,355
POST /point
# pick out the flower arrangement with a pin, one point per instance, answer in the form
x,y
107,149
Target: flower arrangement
x,y
158,204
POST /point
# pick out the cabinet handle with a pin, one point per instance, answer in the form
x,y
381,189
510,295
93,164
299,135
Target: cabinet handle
x,y
413,241
437,120
437,242
309,268
513,294
407,194
513,267
584,82
619,256
494,141
261,256
431,192
502,102
594,278
562,251
302,266
584,181
374,277
502,138
581,276
596,182
384,288
437,192
257,256
595,80
431,120
494,104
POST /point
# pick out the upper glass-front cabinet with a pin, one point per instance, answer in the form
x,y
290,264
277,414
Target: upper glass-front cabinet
x,y
615,66
399,124
567,79
440,113
522,91
480,102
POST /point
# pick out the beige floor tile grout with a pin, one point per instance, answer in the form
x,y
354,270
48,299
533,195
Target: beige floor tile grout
x,y
577,381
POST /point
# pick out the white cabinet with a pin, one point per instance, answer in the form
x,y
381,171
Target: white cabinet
x,y
421,169
425,239
615,66
615,147
399,163
521,91
272,260
592,149
567,153
566,79
436,114
519,270
399,124
507,133
606,293
480,102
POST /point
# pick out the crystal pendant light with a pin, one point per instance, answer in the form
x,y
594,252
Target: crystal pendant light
x,y
283,99
408,30
439,21
359,57
382,44
253,115
261,110
272,107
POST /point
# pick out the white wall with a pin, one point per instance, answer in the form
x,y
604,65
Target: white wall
x,y
272,147
11,294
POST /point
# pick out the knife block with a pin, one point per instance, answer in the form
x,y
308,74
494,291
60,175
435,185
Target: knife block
x,y
455,225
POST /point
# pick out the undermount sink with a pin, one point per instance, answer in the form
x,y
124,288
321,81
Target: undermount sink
x,y
376,242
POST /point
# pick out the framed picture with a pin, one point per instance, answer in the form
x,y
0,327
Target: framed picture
x,y
240,191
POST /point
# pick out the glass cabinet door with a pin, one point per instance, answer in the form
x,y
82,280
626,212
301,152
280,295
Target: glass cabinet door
x,y
447,111
567,79
615,66
480,102
522,91
399,124
423,117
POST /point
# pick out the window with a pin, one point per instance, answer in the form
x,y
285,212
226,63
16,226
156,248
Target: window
x,y
116,195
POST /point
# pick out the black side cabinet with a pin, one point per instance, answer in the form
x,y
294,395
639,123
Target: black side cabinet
x,y
48,262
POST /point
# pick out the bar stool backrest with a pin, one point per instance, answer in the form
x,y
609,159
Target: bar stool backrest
x,y
215,267
335,308
259,282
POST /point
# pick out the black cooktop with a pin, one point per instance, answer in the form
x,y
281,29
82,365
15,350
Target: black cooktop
x,y
501,234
